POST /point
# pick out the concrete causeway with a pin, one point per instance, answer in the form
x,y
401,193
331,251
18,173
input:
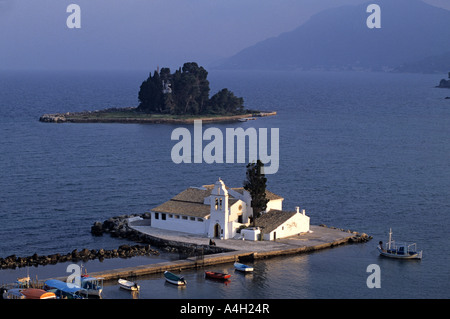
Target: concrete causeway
x,y
319,238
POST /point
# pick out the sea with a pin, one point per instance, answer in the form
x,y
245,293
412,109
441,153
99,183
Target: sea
x,y
361,151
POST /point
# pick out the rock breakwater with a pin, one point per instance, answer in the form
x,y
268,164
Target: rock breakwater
x,y
118,227
124,251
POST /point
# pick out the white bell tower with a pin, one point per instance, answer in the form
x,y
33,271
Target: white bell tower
x,y
218,220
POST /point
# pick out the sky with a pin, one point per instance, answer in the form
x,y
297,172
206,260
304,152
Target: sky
x,y
144,34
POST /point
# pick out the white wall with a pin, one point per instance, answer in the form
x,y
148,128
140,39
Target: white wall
x,y
275,204
178,223
298,223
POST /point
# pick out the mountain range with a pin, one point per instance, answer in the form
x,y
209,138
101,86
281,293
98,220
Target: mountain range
x,y
339,39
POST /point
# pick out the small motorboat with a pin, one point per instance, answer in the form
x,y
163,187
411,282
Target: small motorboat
x,y
128,285
245,119
399,250
217,275
34,293
174,279
242,267
14,293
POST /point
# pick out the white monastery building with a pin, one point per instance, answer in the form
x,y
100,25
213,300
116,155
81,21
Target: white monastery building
x,y
216,211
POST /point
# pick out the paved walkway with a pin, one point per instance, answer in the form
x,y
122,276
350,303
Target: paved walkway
x,y
318,236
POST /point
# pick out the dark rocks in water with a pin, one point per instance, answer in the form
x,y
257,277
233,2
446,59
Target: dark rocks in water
x,y
445,83
97,229
124,251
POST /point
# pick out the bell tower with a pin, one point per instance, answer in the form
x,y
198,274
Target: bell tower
x,y
218,220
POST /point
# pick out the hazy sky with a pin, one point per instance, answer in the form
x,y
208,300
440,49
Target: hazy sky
x,y
141,34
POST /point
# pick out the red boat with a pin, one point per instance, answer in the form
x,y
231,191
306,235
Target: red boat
x,y
217,275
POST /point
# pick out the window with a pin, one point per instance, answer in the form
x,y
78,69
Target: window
x,y
163,216
156,215
217,203
220,203
199,219
192,218
184,217
170,216
177,216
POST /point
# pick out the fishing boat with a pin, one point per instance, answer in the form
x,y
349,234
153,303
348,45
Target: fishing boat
x,y
242,267
128,285
217,275
34,293
174,279
64,290
93,285
399,250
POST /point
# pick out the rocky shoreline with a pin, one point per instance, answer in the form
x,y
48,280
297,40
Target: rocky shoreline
x,y
118,227
129,115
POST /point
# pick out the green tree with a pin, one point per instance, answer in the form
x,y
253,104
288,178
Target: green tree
x,y
255,184
225,101
189,93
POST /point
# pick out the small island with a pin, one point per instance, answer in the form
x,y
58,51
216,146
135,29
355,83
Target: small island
x,y
165,97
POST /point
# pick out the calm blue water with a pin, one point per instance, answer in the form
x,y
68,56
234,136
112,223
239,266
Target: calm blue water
x,y
360,151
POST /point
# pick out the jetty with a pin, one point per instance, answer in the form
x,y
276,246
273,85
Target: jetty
x,y
131,116
232,250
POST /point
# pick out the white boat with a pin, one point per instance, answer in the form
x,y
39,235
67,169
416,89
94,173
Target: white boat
x,y
245,119
242,267
93,285
399,250
128,285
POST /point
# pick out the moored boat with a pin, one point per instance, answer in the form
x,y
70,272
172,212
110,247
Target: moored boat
x,y
93,285
128,285
14,293
174,279
399,250
217,275
34,293
64,290
242,267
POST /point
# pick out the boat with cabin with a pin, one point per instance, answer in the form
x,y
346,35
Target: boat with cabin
x,y
399,250
93,285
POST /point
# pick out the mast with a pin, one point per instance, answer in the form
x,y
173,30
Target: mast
x,y
390,237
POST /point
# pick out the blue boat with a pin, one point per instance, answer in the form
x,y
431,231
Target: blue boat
x,y
242,267
64,290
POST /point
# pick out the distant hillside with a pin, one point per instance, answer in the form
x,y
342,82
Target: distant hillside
x,y
340,39
433,64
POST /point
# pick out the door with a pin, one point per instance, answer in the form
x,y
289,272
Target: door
x,y
217,230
